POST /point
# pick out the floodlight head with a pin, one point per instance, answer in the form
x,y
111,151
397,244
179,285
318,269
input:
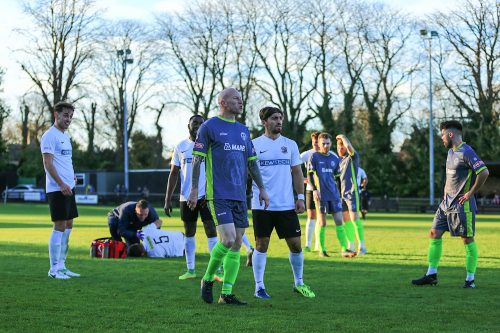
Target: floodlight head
x,y
129,61
119,52
423,32
127,51
434,33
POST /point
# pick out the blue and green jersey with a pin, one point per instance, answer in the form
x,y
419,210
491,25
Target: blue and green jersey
x,y
325,168
348,176
227,148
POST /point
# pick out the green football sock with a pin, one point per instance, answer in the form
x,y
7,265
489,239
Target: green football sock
x,y
340,230
360,230
322,234
471,255
216,257
435,250
349,231
231,268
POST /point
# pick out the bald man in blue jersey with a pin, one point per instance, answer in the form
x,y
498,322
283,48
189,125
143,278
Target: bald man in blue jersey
x,y
225,146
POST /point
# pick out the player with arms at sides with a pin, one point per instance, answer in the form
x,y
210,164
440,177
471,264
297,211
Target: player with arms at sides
x,y
465,174
229,155
181,165
311,227
60,187
157,243
280,167
349,193
322,170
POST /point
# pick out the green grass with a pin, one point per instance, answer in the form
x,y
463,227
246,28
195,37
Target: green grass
x,y
367,294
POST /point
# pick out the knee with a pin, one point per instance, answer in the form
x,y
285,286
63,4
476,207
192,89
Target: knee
x,y
435,234
210,229
190,228
262,244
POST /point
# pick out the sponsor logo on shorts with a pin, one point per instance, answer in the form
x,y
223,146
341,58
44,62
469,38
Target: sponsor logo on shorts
x,y
220,214
222,133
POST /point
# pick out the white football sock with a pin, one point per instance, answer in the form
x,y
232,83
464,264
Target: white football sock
x,y
431,270
55,249
211,243
64,249
259,266
190,247
246,242
470,277
310,226
297,262
351,246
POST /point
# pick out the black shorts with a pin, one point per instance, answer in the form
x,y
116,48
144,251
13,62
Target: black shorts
x,y
188,215
62,207
310,200
286,223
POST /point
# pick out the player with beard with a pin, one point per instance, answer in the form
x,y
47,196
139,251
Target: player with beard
x,y
465,174
280,167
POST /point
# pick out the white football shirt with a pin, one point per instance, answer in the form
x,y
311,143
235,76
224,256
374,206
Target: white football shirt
x,y
361,175
182,156
58,143
275,160
161,243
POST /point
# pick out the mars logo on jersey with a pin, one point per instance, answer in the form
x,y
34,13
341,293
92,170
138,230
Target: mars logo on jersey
x,y
326,170
228,146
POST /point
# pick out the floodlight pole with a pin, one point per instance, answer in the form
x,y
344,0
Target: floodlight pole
x,y
126,57
428,35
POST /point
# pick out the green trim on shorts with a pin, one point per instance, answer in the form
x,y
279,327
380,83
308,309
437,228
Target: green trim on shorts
x,y
199,153
252,158
212,211
468,218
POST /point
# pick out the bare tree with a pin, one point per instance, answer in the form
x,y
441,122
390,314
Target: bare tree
x,y
59,46
89,121
196,44
121,80
286,61
386,36
468,66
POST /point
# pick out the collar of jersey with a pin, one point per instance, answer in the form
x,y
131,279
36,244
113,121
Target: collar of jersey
x,y
459,146
225,119
327,154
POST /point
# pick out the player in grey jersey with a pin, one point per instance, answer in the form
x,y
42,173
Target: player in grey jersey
x,y
465,174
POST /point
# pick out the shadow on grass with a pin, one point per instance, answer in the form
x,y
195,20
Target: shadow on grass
x,y
352,295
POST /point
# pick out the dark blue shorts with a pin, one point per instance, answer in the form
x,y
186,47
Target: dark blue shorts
x,y
458,222
229,211
350,202
330,207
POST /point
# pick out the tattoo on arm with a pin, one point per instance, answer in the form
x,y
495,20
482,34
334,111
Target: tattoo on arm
x,y
254,171
195,172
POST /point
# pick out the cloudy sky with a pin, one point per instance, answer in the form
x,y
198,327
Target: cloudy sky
x,y
11,17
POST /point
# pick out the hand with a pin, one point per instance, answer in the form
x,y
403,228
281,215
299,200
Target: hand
x,y
168,207
464,198
316,195
192,200
299,206
66,190
140,234
263,197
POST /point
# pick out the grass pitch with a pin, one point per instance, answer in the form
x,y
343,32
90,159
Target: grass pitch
x,y
367,294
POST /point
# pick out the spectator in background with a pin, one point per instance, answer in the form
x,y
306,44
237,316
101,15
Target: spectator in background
x,y
496,198
145,193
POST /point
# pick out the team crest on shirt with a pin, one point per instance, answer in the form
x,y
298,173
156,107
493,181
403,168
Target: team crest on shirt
x,y
332,163
243,135
284,150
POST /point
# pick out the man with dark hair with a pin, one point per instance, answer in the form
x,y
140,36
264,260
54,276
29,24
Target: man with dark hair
x,y
60,187
457,212
310,206
280,167
182,157
126,219
230,156
323,168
